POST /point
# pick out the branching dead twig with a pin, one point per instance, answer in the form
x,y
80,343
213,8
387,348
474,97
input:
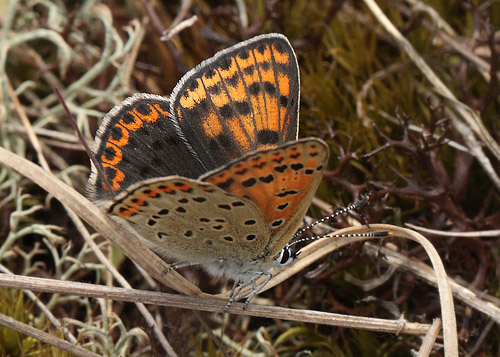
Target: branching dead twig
x,y
467,115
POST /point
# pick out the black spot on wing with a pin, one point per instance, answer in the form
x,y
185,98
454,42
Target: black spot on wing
x,y
249,70
287,193
215,90
249,182
265,65
270,89
283,100
267,179
226,111
225,63
282,206
226,184
210,73
244,54
233,80
267,137
243,107
277,223
254,88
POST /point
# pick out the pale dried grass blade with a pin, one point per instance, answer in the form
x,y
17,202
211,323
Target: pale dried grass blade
x,y
430,339
322,247
483,303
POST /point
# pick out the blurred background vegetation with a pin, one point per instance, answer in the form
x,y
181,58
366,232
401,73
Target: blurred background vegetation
x,y
391,132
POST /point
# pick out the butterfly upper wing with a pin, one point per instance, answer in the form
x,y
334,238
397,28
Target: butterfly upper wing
x,y
242,99
138,140
280,181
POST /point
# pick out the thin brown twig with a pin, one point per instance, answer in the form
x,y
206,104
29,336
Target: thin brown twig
x,y
43,308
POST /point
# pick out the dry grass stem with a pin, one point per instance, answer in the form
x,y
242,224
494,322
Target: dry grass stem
x,y
117,234
321,248
44,309
162,340
484,234
405,93
311,253
27,125
423,271
211,305
430,339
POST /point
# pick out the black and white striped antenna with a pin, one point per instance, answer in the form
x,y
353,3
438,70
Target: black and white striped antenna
x,y
351,207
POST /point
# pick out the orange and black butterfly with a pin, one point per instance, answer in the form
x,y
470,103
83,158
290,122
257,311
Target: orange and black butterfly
x,y
215,174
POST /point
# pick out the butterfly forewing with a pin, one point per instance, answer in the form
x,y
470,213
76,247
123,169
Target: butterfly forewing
x,y
137,141
242,99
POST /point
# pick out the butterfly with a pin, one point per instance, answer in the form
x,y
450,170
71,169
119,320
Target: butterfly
x,y
215,175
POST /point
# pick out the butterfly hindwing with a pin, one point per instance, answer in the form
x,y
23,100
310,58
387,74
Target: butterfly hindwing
x,y
243,99
190,220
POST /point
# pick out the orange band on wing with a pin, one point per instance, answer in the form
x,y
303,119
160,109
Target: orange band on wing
x,y
151,117
118,156
115,181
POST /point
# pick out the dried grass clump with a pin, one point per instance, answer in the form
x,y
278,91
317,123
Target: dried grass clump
x,y
405,92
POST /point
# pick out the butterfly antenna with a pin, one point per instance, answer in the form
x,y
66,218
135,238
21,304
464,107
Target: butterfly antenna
x,y
86,146
351,207
381,234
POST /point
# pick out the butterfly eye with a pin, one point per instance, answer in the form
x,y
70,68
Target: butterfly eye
x,y
285,257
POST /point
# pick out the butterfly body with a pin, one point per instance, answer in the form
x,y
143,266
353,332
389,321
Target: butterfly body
x,y
214,175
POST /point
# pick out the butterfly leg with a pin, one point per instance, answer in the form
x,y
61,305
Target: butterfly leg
x,y
175,266
250,294
234,291
256,288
